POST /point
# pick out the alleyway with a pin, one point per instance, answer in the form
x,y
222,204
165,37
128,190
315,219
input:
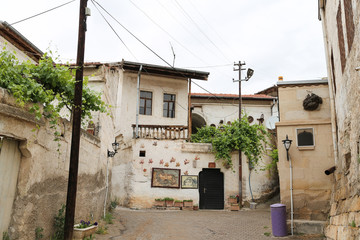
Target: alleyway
x,y
193,225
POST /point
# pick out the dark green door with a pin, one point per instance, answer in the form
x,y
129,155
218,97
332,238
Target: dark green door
x,y
211,189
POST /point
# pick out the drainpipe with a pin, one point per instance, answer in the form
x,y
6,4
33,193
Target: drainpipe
x,y
291,198
330,84
137,104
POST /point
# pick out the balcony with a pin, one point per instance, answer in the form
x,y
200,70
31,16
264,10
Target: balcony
x,y
161,132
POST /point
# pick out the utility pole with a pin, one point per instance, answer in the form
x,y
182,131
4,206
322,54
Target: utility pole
x,y
250,72
75,140
240,103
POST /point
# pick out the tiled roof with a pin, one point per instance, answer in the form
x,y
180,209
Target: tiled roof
x,y
224,95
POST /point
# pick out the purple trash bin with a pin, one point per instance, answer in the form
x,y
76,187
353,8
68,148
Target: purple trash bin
x,y
278,220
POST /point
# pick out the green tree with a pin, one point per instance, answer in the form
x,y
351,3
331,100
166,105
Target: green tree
x,y
48,84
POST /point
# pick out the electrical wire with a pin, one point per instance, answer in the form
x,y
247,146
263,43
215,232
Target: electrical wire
x,y
186,29
152,50
43,12
173,38
132,34
198,27
113,30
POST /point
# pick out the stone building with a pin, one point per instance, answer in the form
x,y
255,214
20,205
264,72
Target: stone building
x,y
340,21
305,119
34,168
157,138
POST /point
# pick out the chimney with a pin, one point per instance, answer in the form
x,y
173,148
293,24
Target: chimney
x,y
280,78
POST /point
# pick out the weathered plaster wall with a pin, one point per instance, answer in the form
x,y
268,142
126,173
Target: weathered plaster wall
x,y
19,54
131,177
311,187
213,112
343,17
42,181
158,86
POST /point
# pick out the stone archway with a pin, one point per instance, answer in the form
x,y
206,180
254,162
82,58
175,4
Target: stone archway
x,y
197,122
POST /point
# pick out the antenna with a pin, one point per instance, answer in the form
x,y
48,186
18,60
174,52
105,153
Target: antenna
x,y
172,49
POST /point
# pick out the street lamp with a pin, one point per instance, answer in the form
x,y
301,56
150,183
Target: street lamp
x,y
115,146
287,143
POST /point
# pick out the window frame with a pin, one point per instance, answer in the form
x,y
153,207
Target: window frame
x,y
145,101
167,102
297,137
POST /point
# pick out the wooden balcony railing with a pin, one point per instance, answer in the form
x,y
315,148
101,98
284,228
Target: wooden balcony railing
x,y
161,132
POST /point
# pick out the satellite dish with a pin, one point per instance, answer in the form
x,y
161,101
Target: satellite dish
x,y
270,123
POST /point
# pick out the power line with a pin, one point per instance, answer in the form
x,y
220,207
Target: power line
x,y
113,30
186,29
198,27
42,12
132,34
219,36
151,49
194,55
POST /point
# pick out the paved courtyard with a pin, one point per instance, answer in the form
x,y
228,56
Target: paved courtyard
x,y
193,225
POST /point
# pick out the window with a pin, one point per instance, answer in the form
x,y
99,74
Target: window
x,y
305,137
169,105
145,103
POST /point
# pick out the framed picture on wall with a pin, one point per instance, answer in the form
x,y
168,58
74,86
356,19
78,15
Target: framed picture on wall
x,y
165,177
189,181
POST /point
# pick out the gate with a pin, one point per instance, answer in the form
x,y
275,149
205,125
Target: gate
x,y
211,189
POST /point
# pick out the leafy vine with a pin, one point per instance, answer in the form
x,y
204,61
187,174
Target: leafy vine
x,y
50,86
239,135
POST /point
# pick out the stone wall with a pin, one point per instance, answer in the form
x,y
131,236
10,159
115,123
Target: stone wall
x,y
42,180
342,62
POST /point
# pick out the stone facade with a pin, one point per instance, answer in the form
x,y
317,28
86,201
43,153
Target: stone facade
x,y
43,171
340,21
311,187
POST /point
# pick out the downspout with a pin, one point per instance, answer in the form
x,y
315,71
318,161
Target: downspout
x,y
136,135
330,84
189,112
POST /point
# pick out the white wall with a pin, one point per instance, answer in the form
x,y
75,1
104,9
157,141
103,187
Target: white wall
x,y
18,53
158,86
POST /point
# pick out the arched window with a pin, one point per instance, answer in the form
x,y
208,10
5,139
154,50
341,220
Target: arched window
x,y
305,137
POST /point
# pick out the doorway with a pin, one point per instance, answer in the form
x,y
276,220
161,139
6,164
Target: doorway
x,y
211,189
9,168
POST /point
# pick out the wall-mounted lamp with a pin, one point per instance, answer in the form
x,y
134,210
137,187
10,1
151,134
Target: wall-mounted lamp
x,y
287,143
115,146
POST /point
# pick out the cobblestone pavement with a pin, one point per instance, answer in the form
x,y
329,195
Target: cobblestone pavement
x,y
191,225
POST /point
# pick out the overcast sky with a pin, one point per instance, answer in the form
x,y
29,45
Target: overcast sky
x,y
275,38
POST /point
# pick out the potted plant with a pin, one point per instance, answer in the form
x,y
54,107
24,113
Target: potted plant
x,y
169,202
232,199
188,203
178,203
159,202
84,229
196,207
234,207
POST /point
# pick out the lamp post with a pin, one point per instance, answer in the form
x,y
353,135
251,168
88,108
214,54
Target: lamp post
x,y
287,144
115,145
249,74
